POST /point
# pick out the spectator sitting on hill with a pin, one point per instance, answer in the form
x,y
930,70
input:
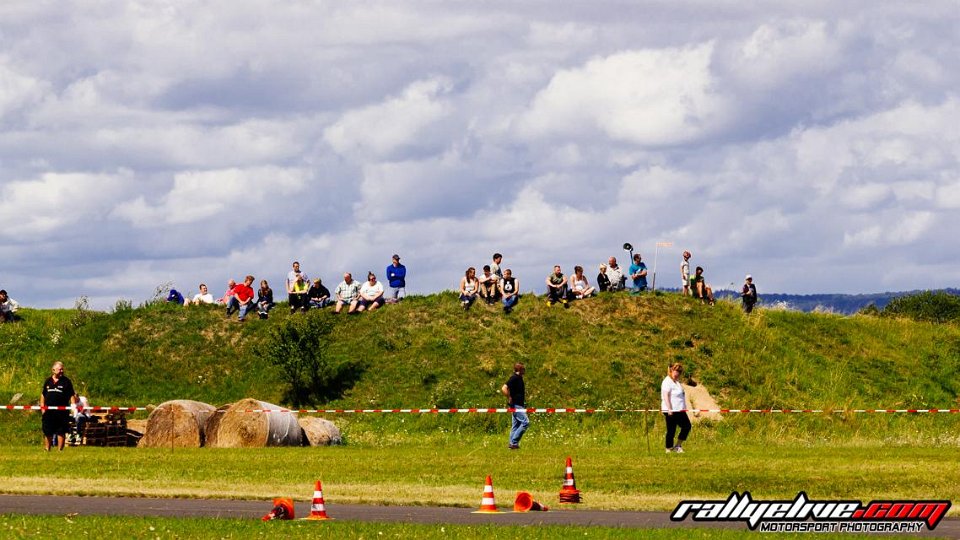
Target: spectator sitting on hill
x,y
371,294
347,292
242,300
699,288
638,273
231,285
579,286
489,290
603,281
174,297
297,292
264,299
397,279
299,296
469,288
557,288
319,295
8,308
615,273
509,290
202,297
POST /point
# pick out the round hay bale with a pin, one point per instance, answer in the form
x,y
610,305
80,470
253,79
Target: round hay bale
x,y
176,424
319,431
212,428
241,429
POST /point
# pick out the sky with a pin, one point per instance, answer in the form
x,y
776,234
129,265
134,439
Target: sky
x,y
812,144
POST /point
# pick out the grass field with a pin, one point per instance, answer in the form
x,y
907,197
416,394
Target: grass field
x,y
450,471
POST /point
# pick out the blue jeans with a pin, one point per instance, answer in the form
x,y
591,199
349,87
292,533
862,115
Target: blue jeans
x,y
510,302
520,423
234,305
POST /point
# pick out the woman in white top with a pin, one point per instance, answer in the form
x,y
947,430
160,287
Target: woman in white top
x,y
673,404
469,287
579,285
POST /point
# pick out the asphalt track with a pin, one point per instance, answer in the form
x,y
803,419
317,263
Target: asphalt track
x,y
222,508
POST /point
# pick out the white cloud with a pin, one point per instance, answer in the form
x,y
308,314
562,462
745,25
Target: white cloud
x,y
646,97
57,201
17,90
378,130
228,195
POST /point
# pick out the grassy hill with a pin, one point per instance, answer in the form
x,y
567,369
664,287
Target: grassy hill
x,y
611,351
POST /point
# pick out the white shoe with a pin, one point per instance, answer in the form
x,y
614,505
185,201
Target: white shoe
x,y
669,450
678,449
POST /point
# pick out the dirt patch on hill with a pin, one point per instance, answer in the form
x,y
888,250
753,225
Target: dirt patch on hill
x,y
698,397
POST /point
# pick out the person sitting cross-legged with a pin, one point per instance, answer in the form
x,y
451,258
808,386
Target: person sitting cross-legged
x,y
264,299
371,294
579,285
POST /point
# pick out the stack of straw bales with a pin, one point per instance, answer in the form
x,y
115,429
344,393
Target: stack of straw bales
x,y
184,423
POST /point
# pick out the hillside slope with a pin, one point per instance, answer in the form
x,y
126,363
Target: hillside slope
x,y
609,351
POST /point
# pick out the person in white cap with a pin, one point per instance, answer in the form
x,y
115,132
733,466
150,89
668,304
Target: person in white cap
x,y
749,294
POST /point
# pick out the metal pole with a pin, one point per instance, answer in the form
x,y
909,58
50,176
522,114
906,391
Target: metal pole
x,y
656,253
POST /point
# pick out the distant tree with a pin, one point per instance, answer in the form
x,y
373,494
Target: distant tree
x,y
298,346
869,309
937,307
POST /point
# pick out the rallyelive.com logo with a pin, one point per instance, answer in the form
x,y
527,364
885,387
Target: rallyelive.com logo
x,y
804,515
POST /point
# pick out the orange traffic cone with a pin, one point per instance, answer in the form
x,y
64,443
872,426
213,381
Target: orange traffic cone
x,y
569,494
488,505
282,509
318,511
525,503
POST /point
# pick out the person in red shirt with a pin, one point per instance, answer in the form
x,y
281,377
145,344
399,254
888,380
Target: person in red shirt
x,y
242,299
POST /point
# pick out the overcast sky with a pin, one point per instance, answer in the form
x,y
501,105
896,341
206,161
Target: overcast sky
x,y
814,144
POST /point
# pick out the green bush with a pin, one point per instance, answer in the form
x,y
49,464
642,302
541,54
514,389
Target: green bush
x,y
298,346
936,307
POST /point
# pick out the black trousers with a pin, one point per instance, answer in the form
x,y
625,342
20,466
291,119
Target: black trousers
x,y
675,420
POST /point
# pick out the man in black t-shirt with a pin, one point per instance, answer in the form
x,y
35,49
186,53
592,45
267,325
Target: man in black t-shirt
x,y
515,391
57,392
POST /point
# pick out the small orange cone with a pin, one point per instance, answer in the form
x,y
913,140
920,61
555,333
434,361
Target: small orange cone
x,y
488,505
569,494
282,509
318,512
525,503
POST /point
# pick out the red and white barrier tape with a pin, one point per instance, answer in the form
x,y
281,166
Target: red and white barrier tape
x,y
548,410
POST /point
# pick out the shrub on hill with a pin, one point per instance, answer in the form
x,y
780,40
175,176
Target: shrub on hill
x,y
936,307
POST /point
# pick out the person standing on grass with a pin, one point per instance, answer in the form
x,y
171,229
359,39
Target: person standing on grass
x,y
674,407
749,294
397,279
57,392
685,274
515,391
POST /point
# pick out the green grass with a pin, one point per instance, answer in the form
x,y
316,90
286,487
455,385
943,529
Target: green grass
x,y
17,527
450,471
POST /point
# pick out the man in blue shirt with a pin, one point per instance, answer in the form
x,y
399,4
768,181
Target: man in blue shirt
x,y
638,273
397,279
